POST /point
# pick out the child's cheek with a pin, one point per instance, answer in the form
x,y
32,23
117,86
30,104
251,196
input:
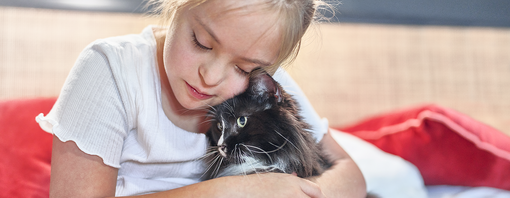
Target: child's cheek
x,y
181,55
238,86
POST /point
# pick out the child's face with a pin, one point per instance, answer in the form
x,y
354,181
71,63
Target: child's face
x,y
209,54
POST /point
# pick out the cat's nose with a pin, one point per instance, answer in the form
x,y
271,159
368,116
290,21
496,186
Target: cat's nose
x,y
223,150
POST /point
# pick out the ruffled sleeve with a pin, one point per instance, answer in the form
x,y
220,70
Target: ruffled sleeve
x,y
89,110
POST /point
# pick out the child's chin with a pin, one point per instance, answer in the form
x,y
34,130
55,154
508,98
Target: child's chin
x,y
193,104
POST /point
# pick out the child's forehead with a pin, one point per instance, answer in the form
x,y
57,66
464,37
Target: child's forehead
x,y
226,8
246,34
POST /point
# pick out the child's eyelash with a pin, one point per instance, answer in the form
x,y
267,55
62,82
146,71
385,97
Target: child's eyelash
x,y
198,44
241,71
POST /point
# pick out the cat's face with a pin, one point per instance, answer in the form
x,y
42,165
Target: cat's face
x,y
247,127
260,130
250,129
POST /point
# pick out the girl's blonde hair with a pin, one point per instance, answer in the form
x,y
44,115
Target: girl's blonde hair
x,y
295,17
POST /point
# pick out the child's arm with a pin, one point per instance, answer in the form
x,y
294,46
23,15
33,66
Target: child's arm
x,y
77,174
254,186
344,178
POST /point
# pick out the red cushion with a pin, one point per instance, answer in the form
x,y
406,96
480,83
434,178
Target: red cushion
x,y
25,149
449,148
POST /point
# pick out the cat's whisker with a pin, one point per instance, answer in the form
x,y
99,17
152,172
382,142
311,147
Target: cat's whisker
x,y
211,107
211,163
206,104
222,98
207,155
210,115
257,172
239,160
250,164
278,147
212,149
207,121
288,140
262,151
203,157
215,173
230,108
218,165
208,152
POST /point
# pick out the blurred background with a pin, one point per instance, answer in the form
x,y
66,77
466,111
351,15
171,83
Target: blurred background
x,y
370,56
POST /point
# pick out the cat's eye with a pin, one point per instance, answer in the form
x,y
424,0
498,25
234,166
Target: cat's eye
x,y
220,127
241,121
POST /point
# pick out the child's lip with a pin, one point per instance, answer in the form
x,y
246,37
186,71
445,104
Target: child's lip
x,y
197,93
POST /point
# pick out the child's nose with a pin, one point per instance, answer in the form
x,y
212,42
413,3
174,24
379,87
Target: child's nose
x,y
213,73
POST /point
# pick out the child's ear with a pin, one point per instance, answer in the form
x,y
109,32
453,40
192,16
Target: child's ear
x,y
261,83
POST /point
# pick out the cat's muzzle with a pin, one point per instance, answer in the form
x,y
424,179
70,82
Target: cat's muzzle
x,y
223,150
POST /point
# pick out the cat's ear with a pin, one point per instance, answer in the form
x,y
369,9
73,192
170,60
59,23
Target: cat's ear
x,y
261,83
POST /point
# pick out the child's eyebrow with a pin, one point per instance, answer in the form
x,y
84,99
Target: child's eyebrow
x,y
258,62
207,29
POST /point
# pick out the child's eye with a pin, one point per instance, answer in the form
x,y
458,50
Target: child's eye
x,y
198,44
241,71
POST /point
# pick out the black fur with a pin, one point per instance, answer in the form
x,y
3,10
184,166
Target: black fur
x,y
274,134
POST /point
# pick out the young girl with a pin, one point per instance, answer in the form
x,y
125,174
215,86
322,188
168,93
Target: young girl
x,y
130,118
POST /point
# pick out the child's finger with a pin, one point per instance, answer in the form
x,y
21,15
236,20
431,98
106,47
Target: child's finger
x,y
312,189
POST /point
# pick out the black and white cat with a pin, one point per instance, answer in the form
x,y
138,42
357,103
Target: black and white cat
x,y
259,131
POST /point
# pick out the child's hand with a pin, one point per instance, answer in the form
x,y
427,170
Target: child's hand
x,y
268,185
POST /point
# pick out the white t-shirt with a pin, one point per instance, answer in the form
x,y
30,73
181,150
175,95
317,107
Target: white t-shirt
x,y
110,106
